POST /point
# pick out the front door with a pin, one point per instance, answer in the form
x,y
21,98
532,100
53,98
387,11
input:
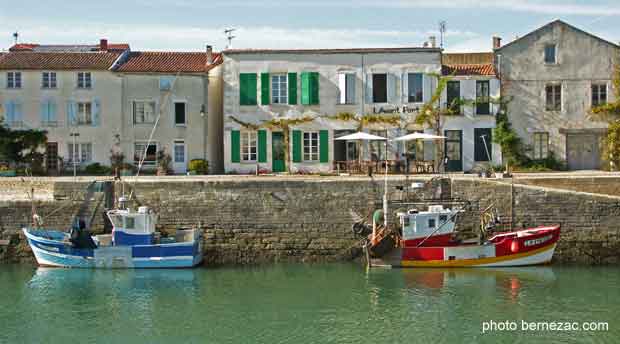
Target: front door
x,y
278,163
51,158
454,150
582,151
180,157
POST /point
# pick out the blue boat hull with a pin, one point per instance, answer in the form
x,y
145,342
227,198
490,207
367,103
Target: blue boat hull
x,y
51,249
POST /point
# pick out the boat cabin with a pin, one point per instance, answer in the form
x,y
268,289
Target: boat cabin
x,y
436,221
133,227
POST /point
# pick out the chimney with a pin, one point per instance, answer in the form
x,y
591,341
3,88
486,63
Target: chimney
x,y
497,42
103,44
433,41
209,54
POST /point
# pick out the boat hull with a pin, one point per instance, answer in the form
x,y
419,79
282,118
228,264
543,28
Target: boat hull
x,y
533,246
49,251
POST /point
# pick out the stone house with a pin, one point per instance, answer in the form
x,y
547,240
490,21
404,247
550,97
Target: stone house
x,y
469,143
318,91
87,97
553,76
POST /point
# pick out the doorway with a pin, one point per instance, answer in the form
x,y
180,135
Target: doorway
x,y
278,163
51,158
454,150
180,157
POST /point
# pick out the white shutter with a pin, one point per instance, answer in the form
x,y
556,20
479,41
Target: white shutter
x,y
342,86
369,88
427,90
404,82
392,90
494,93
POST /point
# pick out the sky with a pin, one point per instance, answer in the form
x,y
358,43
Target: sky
x,y
188,25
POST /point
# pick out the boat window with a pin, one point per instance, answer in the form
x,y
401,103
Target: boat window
x,y
431,223
443,218
117,221
406,221
130,223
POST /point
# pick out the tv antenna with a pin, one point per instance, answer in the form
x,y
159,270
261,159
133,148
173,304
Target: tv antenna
x,y
442,31
15,36
229,37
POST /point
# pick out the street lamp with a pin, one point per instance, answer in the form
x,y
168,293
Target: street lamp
x,y
74,135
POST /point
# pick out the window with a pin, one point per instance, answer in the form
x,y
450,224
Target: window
x,y
550,53
48,80
151,153
599,94
416,87
248,146
143,112
541,145
84,80
554,97
165,83
130,223
84,114
311,146
179,114
346,85
453,94
443,218
14,80
279,90
483,107
431,223
179,151
482,144
379,88
80,153
377,148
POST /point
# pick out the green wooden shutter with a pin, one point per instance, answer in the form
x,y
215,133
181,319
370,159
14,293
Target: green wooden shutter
x,y
235,146
247,89
296,145
314,88
324,146
262,146
264,89
305,88
292,88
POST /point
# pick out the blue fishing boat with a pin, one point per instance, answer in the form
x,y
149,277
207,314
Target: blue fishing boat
x,y
132,244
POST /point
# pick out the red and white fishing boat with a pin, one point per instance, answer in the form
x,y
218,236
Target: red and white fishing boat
x,y
428,239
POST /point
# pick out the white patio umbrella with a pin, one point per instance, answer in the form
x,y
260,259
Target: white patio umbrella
x,y
360,136
419,136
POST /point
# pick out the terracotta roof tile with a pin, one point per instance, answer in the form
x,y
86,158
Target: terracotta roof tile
x,y
467,58
66,48
468,69
58,61
168,62
331,51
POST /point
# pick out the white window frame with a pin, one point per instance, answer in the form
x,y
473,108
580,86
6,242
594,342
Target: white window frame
x,y
539,144
145,120
80,152
14,80
344,85
84,82
599,85
279,88
311,141
249,146
174,113
146,162
175,144
409,88
555,53
84,114
49,80
554,93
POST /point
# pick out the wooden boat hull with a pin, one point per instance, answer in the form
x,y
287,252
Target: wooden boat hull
x,y
51,250
521,248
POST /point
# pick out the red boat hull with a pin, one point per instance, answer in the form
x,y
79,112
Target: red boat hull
x,y
525,247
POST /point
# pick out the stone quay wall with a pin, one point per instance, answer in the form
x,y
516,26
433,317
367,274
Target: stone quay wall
x,y
250,220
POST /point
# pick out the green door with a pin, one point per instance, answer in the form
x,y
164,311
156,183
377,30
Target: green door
x,y
277,151
454,150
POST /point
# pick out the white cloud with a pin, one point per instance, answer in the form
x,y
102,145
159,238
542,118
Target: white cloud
x,y
162,37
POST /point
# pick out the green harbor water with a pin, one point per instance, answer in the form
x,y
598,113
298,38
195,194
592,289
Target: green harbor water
x,y
332,303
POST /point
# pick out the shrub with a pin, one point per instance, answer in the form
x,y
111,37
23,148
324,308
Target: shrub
x,y
97,169
200,166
